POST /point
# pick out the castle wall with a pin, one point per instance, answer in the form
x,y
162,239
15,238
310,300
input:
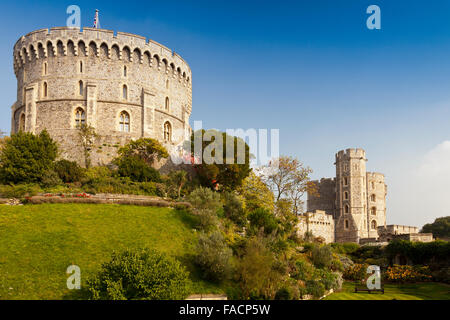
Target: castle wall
x,y
319,223
49,66
324,198
376,199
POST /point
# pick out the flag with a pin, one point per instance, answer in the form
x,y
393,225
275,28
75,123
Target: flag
x,y
96,21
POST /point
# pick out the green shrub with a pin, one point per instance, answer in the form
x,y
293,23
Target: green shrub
x,y
26,157
356,272
345,248
233,209
263,219
19,191
213,256
205,203
315,288
322,256
283,294
68,171
50,179
140,274
137,170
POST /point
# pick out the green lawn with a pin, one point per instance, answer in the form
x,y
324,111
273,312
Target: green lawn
x,y
416,291
38,243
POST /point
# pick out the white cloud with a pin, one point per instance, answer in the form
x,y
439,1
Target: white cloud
x,y
436,163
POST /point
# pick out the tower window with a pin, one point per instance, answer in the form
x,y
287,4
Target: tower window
x,y
373,224
44,69
45,89
125,92
345,181
167,132
80,88
373,185
167,104
346,209
81,66
167,84
346,224
124,121
373,211
80,117
124,71
22,122
373,198
346,195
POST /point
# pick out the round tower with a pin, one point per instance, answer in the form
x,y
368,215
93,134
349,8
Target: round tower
x,y
123,85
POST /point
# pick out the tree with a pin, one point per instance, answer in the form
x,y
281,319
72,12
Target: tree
x,y
147,149
287,217
87,136
256,193
26,157
137,169
205,203
217,168
178,179
440,228
256,271
140,274
263,219
68,171
213,256
288,178
234,209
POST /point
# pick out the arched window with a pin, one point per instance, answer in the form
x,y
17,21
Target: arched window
x,y
346,209
373,185
373,211
373,198
345,181
44,69
125,92
124,71
80,88
345,195
81,66
80,117
124,121
346,224
167,103
167,132
373,224
22,122
45,90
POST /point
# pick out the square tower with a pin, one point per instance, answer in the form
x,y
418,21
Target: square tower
x,y
351,196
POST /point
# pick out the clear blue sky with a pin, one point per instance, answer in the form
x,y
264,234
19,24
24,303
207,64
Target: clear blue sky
x,y
309,68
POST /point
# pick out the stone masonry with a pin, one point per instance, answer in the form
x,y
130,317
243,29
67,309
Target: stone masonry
x,y
123,85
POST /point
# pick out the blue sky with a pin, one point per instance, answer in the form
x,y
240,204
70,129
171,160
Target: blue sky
x,y
309,68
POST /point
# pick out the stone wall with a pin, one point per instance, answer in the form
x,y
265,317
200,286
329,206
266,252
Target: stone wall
x,y
62,70
319,223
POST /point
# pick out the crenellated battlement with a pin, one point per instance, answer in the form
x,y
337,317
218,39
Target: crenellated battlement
x,y
351,153
43,43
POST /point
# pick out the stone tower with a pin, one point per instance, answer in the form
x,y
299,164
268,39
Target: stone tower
x,y
351,197
124,85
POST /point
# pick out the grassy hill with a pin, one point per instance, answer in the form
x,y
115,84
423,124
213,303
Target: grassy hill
x,y
39,242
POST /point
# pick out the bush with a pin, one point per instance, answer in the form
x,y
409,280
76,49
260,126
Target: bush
x,y
345,248
26,157
407,273
205,203
140,274
315,288
19,191
137,170
50,179
263,219
356,272
68,171
233,209
214,256
322,256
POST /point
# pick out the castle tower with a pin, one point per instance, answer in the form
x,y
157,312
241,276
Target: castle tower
x,y
376,200
124,85
351,196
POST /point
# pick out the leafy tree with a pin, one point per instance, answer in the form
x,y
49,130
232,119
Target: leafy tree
x,y
205,204
137,169
263,219
256,193
288,219
178,179
234,209
68,171
322,256
256,271
140,274
87,136
440,228
287,177
217,168
213,256
26,157
147,149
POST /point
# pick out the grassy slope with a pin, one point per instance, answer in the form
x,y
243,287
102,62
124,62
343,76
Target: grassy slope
x,y
418,291
38,243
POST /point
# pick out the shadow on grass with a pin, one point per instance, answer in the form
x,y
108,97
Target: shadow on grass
x,y
187,218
